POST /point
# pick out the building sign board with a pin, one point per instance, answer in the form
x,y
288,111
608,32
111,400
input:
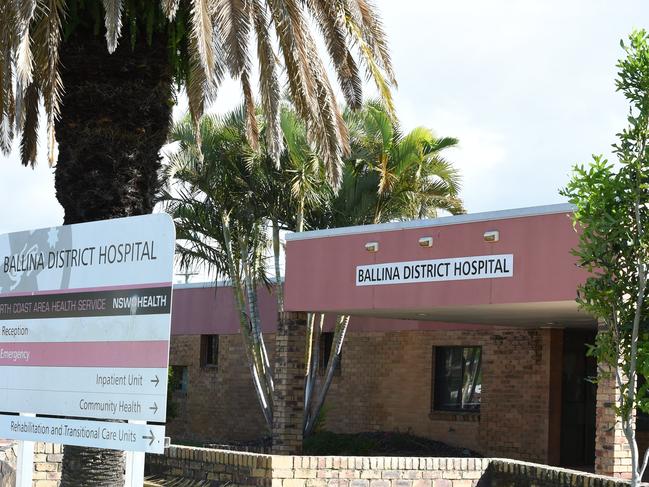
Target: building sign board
x,y
85,321
98,434
449,269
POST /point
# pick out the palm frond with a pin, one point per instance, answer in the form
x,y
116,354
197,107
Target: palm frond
x,y
25,65
47,36
268,81
207,38
252,129
26,11
439,144
113,21
169,8
202,33
7,38
233,21
310,89
371,30
331,20
201,87
6,134
29,140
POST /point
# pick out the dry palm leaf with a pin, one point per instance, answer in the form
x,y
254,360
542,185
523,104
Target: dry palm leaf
x,y
220,37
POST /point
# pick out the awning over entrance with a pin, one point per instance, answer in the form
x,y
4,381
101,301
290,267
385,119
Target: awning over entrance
x,y
511,267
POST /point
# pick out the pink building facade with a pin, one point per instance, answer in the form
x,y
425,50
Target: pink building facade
x,y
463,329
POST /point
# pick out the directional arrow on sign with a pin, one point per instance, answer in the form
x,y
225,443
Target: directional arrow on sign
x,y
154,408
152,438
156,381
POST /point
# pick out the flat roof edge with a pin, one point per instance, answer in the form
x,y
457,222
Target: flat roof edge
x,y
435,222
212,284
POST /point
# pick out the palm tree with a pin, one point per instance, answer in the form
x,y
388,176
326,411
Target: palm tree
x,y
211,194
108,104
389,176
235,180
224,196
411,177
194,43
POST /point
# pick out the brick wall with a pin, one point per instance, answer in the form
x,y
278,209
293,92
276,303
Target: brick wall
x,y
202,464
48,460
386,384
248,469
288,370
221,404
509,473
47,464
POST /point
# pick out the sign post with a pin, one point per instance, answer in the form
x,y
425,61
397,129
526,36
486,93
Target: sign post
x,y
84,332
134,466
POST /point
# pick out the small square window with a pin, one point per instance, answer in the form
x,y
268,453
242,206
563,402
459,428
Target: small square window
x,y
326,345
458,378
179,378
209,350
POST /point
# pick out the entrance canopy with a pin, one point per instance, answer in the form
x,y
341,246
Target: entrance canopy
x,y
511,267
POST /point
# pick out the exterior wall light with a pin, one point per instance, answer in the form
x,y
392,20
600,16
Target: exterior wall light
x,y
491,236
372,246
426,242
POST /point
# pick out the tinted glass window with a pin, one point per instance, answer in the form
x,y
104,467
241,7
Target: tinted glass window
x,y
458,378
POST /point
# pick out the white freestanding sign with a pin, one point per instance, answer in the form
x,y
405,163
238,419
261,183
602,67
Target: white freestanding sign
x,y
84,332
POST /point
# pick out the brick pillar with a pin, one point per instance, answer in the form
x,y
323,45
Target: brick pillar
x,y
612,452
289,371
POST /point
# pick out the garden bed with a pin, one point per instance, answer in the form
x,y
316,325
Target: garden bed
x,y
385,444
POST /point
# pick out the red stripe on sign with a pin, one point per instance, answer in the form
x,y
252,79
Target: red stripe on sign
x,y
147,354
86,289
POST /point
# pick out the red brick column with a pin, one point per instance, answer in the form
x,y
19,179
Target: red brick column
x,y
289,371
612,452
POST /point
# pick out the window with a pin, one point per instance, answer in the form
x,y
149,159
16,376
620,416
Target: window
x,y
209,350
179,378
458,378
326,345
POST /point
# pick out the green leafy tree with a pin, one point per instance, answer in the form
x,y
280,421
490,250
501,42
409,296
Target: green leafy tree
x,y
612,215
105,72
231,178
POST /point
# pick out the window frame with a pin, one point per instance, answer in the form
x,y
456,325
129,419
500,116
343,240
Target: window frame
x,y
437,362
207,343
326,345
179,386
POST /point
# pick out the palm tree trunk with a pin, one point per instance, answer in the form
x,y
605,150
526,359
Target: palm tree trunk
x,y
299,223
245,323
115,118
255,322
279,284
334,361
314,332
